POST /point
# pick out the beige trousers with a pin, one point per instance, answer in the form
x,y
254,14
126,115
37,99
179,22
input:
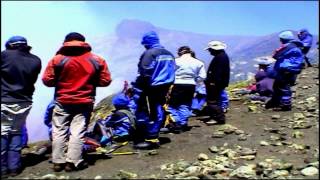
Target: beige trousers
x,y
69,127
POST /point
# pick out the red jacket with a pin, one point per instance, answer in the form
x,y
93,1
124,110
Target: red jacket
x,y
76,80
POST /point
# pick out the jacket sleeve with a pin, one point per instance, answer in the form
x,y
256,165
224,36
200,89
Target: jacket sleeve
x,y
202,74
104,74
48,77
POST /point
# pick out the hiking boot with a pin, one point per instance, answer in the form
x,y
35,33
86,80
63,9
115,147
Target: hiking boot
x,y
4,175
195,112
148,144
177,129
282,108
71,167
214,122
225,110
14,172
57,167
211,122
221,122
164,130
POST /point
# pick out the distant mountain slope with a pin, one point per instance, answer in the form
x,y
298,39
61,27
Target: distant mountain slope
x,y
123,49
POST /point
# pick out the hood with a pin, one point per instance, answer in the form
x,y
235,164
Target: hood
x,y
120,101
150,40
74,48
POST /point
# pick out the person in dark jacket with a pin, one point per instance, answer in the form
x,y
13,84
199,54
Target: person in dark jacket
x,y
19,72
289,63
306,39
75,73
264,86
156,73
218,75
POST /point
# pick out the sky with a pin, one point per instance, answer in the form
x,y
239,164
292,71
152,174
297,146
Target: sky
x,y
46,23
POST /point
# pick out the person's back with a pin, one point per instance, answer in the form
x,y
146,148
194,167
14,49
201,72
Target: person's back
x,y
75,73
155,76
189,70
19,72
264,84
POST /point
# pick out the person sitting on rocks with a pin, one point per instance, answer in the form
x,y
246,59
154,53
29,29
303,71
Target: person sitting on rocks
x,y
117,127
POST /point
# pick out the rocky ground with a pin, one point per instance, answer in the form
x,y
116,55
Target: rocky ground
x,y
255,143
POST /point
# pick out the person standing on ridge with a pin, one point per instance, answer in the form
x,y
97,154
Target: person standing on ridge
x,y
75,73
218,75
189,71
306,39
19,72
156,70
289,63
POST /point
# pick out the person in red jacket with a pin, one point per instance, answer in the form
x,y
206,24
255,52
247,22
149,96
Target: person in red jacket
x,y
75,73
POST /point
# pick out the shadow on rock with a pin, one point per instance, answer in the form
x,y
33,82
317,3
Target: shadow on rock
x,y
32,159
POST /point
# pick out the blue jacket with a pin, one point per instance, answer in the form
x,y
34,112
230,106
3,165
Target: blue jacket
x,y
156,65
289,59
306,38
48,115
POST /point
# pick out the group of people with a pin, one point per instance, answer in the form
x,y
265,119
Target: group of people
x,y
167,91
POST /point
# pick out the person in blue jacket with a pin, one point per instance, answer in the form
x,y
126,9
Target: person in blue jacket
x,y
48,118
289,62
306,39
116,127
156,73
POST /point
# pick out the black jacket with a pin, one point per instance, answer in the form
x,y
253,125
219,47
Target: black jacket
x,y
219,70
19,72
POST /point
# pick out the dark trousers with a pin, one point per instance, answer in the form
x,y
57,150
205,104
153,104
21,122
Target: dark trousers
x,y
282,93
213,108
150,112
181,94
305,51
